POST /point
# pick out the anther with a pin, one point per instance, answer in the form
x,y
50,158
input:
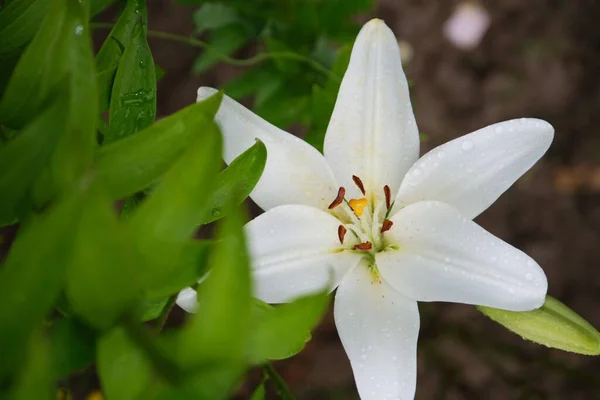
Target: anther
x,y
386,226
388,196
358,206
341,233
364,246
359,183
339,198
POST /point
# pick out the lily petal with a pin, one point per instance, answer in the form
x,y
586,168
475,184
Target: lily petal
x,y
471,172
372,133
187,300
295,251
295,172
444,256
378,328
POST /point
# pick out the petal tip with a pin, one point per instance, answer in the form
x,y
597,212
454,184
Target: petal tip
x,y
204,92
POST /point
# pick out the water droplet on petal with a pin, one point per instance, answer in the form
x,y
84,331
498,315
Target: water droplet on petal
x,y
467,145
528,276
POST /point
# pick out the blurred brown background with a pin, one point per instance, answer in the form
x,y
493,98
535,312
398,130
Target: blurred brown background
x,y
539,58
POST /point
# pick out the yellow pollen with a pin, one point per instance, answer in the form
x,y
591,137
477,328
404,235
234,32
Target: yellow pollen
x,y
358,205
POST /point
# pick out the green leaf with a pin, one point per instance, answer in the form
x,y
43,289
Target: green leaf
x,y
236,180
73,346
96,6
188,268
166,220
19,20
77,146
23,158
34,381
249,82
223,42
55,52
280,332
124,369
30,281
151,309
133,99
214,15
109,55
259,392
219,333
101,277
553,325
132,164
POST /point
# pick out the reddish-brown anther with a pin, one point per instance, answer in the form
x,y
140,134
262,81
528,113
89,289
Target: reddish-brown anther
x,y
364,246
386,226
341,233
359,183
339,198
388,196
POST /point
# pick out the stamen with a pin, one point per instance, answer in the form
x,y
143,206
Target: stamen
x,y
364,246
386,226
341,233
359,183
358,205
339,198
388,196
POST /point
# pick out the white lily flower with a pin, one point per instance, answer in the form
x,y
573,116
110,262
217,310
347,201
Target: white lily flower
x,y
392,228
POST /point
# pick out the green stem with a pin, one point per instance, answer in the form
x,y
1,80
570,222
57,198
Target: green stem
x,y
280,386
258,58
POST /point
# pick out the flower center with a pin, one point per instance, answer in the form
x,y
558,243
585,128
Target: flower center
x,y
364,222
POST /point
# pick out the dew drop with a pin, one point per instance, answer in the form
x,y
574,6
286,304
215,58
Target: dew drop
x,y
528,276
79,30
441,154
467,145
530,263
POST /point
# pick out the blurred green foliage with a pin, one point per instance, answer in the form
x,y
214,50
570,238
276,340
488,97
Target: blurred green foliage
x,y
86,284
303,51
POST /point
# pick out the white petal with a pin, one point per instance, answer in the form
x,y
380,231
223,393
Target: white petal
x,y
379,329
372,133
295,251
444,256
471,172
295,172
187,300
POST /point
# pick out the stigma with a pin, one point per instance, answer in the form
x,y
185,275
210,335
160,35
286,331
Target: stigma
x,y
358,206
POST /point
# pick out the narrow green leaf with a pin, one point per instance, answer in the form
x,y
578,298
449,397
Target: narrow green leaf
x,y
238,179
151,309
553,325
214,15
101,277
109,55
124,369
280,332
19,20
133,98
165,222
259,392
219,333
23,158
34,381
223,42
132,164
55,51
75,150
30,281
73,347
187,269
